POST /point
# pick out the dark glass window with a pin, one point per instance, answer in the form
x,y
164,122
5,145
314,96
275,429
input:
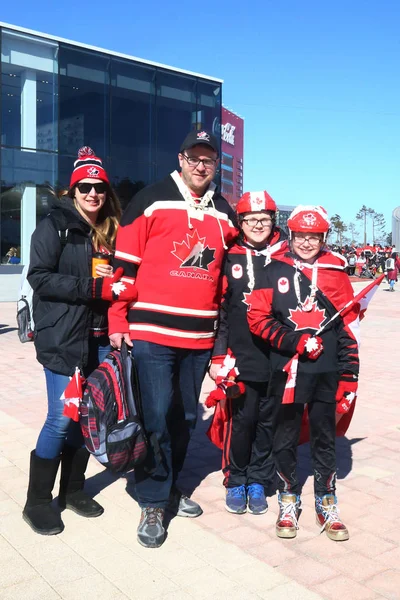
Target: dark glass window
x,y
209,107
29,94
27,194
132,114
84,101
175,117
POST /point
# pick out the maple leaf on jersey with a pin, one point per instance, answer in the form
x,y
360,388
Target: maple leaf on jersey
x,y
183,250
246,300
312,319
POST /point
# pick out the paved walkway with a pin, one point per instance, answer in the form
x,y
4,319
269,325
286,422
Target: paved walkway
x,y
219,555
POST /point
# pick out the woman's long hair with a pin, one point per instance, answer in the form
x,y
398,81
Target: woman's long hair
x,y
105,229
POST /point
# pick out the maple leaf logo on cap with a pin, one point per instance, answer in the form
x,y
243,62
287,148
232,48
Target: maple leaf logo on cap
x,y
311,319
203,135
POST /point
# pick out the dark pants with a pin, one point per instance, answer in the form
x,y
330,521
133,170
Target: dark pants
x,y
322,441
251,438
170,382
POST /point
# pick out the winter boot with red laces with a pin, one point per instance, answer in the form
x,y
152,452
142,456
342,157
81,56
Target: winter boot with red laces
x,y
289,510
328,518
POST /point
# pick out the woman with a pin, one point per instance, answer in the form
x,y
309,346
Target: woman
x,y
70,317
392,266
313,361
247,463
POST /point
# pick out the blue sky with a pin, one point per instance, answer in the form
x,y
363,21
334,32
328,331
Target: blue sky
x,y
317,82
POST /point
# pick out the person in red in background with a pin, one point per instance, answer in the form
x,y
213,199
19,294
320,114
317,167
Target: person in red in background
x,y
294,297
392,266
171,245
247,456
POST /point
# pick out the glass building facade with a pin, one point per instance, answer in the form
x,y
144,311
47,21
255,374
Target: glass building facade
x,y
56,96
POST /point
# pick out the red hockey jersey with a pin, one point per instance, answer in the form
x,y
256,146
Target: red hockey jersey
x,y
172,246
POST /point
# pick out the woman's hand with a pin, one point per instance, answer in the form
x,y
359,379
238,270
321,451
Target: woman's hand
x,y
103,270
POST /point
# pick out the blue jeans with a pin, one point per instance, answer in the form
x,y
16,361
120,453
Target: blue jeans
x,y
170,382
57,429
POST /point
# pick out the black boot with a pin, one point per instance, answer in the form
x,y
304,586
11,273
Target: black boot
x,y
38,512
73,466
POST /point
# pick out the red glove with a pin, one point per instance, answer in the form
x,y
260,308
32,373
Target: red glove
x,y
114,288
227,389
346,393
310,346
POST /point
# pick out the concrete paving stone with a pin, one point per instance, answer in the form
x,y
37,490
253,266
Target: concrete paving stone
x,y
292,591
17,532
221,522
237,593
92,586
178,595
34,589
307,571
372,472
369,544
204,582
356,567
4,462
14,569
171,558
146,583
259,578
9,506
344,587
322,548
274,553
228,559
13,450
390,559
245,536
53,548
387,584
64,570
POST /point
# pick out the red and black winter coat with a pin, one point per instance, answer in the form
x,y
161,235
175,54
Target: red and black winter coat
x,y
172,247
275,314
243,265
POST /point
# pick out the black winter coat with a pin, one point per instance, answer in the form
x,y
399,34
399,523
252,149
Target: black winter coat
x,y
63,305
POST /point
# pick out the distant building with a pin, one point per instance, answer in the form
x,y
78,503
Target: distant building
x,y
283,215
232,135
396,227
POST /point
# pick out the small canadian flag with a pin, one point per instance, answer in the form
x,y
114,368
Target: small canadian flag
x,y
72,396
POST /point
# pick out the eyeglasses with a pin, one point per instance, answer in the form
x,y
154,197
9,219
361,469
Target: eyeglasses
x,y
209,163
85,188
253,222
311,239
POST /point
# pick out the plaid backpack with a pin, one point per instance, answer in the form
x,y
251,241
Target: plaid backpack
x,y
110,413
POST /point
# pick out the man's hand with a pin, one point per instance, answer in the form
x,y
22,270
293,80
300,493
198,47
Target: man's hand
x,y
116,340
310,346
214,368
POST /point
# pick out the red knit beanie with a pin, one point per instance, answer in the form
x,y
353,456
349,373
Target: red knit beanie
x,y
87,165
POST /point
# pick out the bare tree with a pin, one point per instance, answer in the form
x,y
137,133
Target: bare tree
x,y
362,215
339,227
353,233
378,226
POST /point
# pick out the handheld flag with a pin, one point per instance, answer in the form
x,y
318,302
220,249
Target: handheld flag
x,y
72,396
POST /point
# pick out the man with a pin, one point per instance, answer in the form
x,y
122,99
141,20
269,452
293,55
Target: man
x,y
171,244
247,453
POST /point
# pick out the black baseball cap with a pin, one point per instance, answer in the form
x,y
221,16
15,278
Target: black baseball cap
x,y
194,138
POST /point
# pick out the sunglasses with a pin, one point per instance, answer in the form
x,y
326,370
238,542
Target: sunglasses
x,y
85,188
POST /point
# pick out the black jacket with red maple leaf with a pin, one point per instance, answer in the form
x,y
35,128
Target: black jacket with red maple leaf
x,y
172,248
276,316
243,265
